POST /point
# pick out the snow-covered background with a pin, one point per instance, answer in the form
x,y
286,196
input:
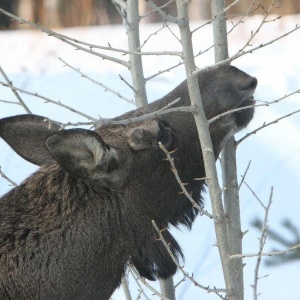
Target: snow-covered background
x,y
30,60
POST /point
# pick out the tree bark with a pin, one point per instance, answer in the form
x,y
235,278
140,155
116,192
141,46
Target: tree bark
x,y
136,66
230,183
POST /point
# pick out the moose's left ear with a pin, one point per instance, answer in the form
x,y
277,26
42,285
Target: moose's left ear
x,y
81,152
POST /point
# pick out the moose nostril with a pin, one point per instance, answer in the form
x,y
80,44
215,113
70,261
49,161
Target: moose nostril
x,y
249,84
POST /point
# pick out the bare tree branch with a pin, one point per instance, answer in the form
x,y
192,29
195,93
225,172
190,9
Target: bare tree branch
x,y
232,111
254,194
245,173
166,17
229,169
262,243
207,288
58,103
10,102
136,66
138,283
207,149
65,39
20,100
151,35
182,185
240,54
231,5
7,178
293,248
97,82
162,111
160,7
126,288
144,282
242,17
266,125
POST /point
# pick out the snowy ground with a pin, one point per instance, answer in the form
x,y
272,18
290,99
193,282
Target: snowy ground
x,y
31,61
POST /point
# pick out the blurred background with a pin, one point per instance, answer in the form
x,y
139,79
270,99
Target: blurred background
x,y
68,13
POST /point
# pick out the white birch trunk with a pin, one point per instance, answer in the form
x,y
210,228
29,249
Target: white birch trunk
x,y
208,153
136,66
230,184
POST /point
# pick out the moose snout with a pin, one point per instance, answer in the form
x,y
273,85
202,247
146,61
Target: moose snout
x,y
247,88
248,85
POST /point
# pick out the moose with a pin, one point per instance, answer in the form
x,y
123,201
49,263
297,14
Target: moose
x,y
69,230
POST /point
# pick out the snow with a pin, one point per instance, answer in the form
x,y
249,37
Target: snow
x,y
30,59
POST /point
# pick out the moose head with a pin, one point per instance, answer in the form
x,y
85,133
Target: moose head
x,y
68,231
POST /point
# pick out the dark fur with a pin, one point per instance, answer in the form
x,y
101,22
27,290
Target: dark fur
x,y
68,230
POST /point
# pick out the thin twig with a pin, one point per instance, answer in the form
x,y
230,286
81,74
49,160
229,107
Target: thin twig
x,y
164,71
247,13
97,82
7,178
273,253
127,83
148,53
48,100
20,100
265,103
225,61
155,114
10,102
254,194
207,288
266,125
165,16
64,125
154,11
175,36
186,275
244,176
65,39
232,111
201,26
151,35
179,282
137,282
253,34
262,242
143,280
240,54
231,5
181,184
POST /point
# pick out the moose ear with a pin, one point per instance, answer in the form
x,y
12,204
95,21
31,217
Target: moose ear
x,y
144,136
148,135
26,135
140,138
81,153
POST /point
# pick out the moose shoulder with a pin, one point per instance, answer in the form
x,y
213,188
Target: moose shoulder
x,y
68,231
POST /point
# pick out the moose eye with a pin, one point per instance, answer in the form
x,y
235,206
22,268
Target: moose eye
x,y
166,136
